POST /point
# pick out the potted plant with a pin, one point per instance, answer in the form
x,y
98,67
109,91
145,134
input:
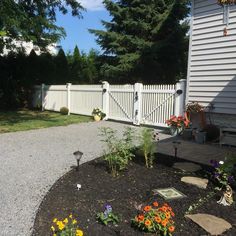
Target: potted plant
x,y
98,114
195,113
177,124
226,2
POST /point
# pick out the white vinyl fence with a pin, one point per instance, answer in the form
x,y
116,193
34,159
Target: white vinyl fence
x,y
137,104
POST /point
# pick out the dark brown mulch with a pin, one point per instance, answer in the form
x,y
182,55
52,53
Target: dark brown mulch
x,y
133,186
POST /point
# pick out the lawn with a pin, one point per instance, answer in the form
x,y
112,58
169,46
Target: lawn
x,y
12,121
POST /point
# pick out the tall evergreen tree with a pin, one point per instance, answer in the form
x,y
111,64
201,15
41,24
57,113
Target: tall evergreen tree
x,y
144,40
75,67
61,67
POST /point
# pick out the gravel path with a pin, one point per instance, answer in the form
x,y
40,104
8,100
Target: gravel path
x,y
31,161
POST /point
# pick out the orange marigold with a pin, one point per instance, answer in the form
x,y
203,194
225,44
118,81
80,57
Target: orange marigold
x,y
155,204
171,229
147,208
140,217
164,223
147,222
158,219
164,208
167,215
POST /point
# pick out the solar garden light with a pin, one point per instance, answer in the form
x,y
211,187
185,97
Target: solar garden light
x,y
176,145
78,155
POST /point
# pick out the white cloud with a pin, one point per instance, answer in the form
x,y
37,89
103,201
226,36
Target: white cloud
x,y
92,5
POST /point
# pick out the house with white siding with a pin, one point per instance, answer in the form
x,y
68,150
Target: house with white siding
x,y
212,60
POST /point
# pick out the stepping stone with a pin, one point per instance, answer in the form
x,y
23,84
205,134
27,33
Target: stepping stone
x,y
187,166
212,224
199,182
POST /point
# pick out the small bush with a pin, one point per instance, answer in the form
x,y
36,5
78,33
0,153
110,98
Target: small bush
x,y
64,111
119,150
147,145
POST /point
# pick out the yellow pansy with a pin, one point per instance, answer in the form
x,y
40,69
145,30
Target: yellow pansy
x,y
52,228
54,235
70,216
65,220
55,220
60,225
74,222
79,232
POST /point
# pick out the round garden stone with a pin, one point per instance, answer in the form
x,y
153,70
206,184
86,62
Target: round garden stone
x,y
187,166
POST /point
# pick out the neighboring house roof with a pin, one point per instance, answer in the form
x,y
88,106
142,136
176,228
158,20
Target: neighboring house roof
x,y
28,46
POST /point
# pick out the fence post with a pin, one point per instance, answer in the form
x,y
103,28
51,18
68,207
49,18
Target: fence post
x,y
105,99
68,85
138,88
180,97
42,96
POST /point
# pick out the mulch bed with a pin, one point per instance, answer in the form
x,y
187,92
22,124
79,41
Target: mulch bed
x,y
133,187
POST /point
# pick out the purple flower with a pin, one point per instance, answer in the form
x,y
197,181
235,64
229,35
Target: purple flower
x,y
215,163
231,179
108,208
216,175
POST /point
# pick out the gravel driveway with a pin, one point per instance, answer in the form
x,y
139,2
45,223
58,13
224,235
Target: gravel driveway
x,y
31,161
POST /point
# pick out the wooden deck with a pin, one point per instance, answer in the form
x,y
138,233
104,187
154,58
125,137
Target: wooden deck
x,y
192,151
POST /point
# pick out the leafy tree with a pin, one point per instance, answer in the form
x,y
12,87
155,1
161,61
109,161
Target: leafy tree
x,y
33,20
144,40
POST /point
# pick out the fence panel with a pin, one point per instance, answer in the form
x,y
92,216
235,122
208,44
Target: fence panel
x,y
84,98
137,104
55,97
121,99
157,104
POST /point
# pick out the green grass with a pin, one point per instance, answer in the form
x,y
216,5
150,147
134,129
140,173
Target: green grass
x,y
12,121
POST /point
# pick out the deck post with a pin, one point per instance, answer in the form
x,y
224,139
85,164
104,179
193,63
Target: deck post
x,y
68,86
180,97
105,99
137,116
42,96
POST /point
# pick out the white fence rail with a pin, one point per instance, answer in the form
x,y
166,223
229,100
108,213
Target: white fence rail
x,y
138,103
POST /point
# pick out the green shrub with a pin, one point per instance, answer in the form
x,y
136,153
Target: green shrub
x,y
147,145
119,150
64,110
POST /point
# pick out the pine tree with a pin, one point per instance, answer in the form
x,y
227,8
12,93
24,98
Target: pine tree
x,y
144,39
61,68
75,66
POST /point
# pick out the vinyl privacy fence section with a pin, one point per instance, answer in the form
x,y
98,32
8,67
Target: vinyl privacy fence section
x,y
137,104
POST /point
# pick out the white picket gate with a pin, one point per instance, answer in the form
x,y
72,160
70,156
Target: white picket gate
x,y
137,104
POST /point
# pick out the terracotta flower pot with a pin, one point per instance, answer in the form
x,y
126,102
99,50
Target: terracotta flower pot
x,y
97,117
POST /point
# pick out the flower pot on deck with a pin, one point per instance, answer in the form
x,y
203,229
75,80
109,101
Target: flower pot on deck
x,y
97,117
200,137
187,134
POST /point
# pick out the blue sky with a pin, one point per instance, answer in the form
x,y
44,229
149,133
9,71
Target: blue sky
x,y
77,29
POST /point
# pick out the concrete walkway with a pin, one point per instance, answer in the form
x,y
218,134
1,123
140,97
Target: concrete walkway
x,y
31,162
192,151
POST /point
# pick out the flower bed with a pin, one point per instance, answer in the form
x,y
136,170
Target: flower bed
x,y
128,195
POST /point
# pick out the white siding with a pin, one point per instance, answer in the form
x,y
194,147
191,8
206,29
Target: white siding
x,y
212,57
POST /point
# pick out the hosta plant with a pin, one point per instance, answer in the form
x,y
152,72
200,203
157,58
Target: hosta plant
x,y
155,219
107,216
66,227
